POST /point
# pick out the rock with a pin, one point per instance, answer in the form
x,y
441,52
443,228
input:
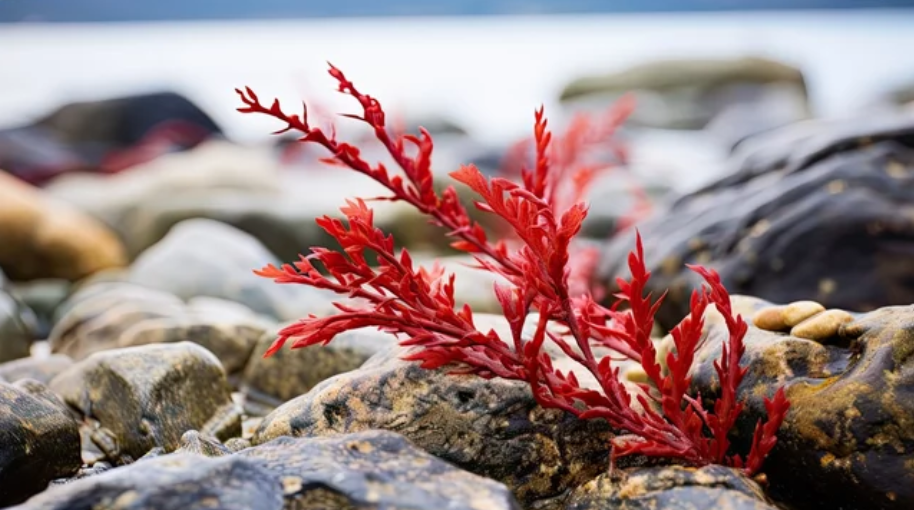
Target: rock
x,y
45,238
246,188
96,318
228,330
821,212
149,396
373,469
671,488
42,297
492,428
846,440
17,328
199,444
39,369
38,443
185,481
689,94
290,373
206,258
114,315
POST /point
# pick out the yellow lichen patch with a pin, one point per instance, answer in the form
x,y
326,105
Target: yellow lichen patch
x,y
827,287
671,265
361,446
759,228
210,502
896,170
291,485
836,186
696,244
826,460
126,499
814,406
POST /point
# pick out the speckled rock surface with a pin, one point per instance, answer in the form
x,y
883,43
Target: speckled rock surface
x,y
821,211
38,443
670,488
148,396
289,373
185,481
200,444
847,440
373,470
492,428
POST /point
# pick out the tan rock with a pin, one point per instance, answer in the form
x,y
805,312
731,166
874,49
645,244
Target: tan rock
x,y
822,326
45,238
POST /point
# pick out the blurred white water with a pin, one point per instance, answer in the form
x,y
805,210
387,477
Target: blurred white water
x,y
487,74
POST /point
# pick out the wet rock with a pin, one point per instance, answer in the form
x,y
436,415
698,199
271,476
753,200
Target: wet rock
x,y
39,369
373,469
126,315
148,396
290,373
670,488
493,428
200,444
846,441
184,481
202,257
17,328
38,443
42,297
45,238
819,211
228,330
97,321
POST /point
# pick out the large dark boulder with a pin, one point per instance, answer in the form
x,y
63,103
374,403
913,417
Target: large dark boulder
x,y
821,211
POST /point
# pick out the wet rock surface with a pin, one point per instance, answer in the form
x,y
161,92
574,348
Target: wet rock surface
x,y
492,428
820,211
847,440
138,398
290,373
670,488
39,442
182,481
373,469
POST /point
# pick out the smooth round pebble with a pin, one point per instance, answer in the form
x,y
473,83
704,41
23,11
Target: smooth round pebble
x,y
822,326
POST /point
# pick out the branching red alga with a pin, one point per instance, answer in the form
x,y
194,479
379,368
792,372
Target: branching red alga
x,y
419,305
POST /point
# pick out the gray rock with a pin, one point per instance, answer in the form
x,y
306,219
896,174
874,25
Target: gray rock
x,y
493,428
670,488
185,481
206,258
290,373
38,443
821,211
148,396
39,369
373,470
17,328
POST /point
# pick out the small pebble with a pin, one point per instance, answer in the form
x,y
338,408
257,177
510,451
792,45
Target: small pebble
x,y
822,326
770,318
799,311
